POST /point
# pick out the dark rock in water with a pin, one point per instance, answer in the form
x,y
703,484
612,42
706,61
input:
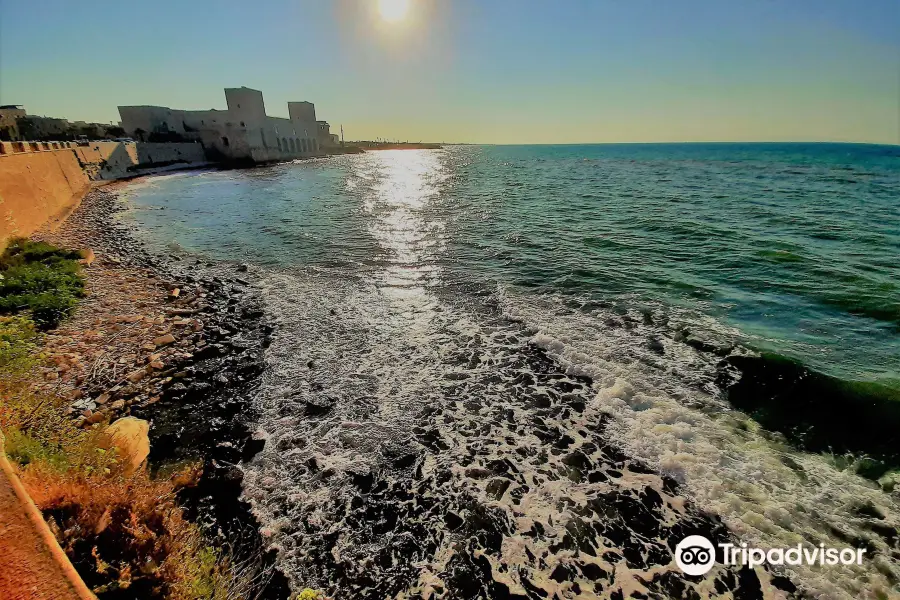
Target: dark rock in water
x,y
453,520
701,345
816,412
404,461
252,312
656,345
255,443
209,351
242,268
228,473
199,386
291,441
363,481
318,405
478,472
497,487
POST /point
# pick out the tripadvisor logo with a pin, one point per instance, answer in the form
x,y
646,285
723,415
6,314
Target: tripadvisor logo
x,y
696,555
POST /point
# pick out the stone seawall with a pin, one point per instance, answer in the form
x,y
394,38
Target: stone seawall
x,y
44,181
116,160
38,187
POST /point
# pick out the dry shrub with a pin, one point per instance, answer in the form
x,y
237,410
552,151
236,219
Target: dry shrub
x,y
127,536
217,574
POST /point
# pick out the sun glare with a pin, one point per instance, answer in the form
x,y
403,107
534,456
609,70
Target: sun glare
x,y
393,10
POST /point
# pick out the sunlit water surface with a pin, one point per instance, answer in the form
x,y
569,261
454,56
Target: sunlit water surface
x,y
461,323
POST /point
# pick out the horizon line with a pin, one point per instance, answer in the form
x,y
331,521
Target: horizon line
x,y
652,143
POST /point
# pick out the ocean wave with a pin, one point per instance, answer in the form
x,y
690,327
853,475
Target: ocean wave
x,y
665,411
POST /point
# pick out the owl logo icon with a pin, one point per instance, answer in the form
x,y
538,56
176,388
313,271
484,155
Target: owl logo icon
x,y
695,555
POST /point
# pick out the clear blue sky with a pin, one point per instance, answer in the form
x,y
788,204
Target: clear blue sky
x,y
501,71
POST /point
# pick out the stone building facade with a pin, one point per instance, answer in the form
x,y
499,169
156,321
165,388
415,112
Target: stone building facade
x,y
9,117
241,132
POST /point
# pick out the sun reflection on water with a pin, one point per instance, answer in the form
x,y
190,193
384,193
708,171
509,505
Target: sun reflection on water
x,y
405,183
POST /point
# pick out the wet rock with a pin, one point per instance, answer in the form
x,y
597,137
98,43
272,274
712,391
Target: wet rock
x,y
255,444
497,487
96,417
318,405
655,345
478,472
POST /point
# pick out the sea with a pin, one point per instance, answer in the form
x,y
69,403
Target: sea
x,y
524,371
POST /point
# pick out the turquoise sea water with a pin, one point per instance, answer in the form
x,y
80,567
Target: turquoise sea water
x,y
685,280
795,246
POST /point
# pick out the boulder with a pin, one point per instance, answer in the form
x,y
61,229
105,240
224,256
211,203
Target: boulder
x,y
87,257
130,436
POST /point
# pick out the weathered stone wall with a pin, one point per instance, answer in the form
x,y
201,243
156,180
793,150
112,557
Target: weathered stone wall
x,y
43,181
37,187
116,160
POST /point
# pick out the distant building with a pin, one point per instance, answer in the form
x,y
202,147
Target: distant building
x,y
9,116
16,124
241,132
39,128
326,138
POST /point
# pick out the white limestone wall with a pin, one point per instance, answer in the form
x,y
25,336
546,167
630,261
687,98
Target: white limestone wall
x,y
117,160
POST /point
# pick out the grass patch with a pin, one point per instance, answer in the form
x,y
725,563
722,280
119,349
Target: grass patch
x,y
35,424
17,345
41,280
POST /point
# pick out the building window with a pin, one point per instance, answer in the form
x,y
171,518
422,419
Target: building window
x,y
285,144
315,145
293,147
224,141
242,123
278,140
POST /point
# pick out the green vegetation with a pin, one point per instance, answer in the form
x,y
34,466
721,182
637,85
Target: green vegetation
x,y
39,279
17,345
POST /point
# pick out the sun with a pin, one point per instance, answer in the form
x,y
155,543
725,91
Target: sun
x,y
393,10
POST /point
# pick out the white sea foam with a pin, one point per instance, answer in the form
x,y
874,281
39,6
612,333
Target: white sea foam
x,y
768,493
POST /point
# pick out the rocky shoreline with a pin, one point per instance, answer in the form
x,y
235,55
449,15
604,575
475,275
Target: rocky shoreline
x,y
178,343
